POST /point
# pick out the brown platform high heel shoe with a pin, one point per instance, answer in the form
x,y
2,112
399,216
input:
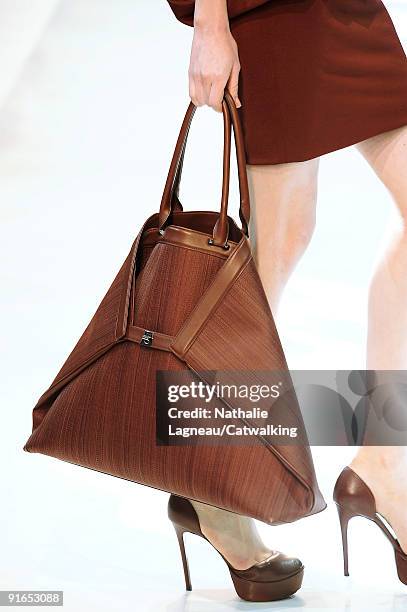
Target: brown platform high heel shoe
x,y
275,578
354,498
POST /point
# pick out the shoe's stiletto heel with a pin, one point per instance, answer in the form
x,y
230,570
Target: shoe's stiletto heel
x,y
180,535
275,578
354,498
344,517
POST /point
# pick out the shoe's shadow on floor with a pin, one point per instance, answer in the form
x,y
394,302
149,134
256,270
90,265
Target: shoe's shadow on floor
x,y
222,600
204,600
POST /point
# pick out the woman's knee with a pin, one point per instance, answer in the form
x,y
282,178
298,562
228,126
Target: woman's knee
x,y
387,155
283,206
284,192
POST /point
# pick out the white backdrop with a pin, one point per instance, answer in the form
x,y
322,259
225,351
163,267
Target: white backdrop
x,y
91,99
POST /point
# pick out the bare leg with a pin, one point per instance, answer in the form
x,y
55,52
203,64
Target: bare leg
x,y
384,468
283,220
283,199
387,337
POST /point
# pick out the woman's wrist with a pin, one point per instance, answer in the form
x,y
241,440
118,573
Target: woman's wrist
x,y
211,15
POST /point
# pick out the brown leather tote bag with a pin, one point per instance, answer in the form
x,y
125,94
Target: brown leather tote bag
x,y
188,297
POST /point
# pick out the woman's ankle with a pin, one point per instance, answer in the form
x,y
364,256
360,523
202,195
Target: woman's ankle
x,y
377,461
233,535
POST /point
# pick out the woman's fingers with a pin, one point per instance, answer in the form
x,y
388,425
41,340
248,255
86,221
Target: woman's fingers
x,y
205,80
233,83
192,93
210,89
214,65
195,89
199,91
207,90
216,94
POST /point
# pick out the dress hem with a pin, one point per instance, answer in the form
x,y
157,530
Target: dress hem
x,y
259,161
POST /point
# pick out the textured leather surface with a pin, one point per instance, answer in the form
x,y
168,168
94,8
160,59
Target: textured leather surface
x,y
210,312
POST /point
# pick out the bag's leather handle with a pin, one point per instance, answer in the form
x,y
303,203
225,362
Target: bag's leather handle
x,y
230,116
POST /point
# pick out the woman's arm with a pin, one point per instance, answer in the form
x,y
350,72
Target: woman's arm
x,y
214,63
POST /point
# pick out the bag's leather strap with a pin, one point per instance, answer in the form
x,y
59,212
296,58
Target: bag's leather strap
x,y
149,338
230,116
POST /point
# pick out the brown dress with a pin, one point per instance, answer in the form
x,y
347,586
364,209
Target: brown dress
x,y
316,75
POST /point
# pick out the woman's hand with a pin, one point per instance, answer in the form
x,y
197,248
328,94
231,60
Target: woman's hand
x,y
214,63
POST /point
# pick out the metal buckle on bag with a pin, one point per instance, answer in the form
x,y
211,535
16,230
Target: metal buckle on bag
x,y
225,246
147,338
